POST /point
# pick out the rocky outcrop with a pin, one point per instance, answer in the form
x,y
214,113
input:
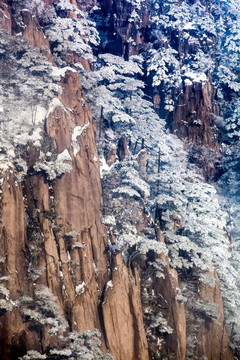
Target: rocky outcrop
x,y
76,209
128,27
122,313
193,115
213,332
193,119
13,332
122,149
5,16
166,289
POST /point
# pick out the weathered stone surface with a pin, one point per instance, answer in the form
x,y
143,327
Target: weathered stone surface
x,y
5,16
213,332
126,35
122,314
193,117
122,149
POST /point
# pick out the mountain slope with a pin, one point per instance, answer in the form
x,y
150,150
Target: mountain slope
x,y
119,159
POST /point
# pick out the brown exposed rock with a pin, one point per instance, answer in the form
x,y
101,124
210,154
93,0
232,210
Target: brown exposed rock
x,y
211,335
71,203
72,58
76,207
142,160
111,156
122,148
193,117
29,29
127,37
33,33
5,16
13,241
174,311
122,314
156,101
78,202
213,332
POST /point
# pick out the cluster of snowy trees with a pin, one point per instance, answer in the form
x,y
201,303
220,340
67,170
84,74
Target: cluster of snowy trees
x,y
173,192
210,33
29,83
5,302
43,311
75,34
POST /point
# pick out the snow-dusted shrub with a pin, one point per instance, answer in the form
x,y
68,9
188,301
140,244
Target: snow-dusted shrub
x,y
206,310
158,322
44,311
82,345
52,169
5,302
164,67
70,35
37,7
35,245
26,89
33,355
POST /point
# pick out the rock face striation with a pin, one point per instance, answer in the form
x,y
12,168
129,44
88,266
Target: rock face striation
x,y
114,241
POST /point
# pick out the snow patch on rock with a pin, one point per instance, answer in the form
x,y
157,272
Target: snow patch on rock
x,y
77,131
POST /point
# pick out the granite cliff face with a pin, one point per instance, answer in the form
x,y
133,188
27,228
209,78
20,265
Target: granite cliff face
x,y
102,195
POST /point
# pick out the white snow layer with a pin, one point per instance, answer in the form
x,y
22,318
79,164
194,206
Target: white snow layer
x,y
77,131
